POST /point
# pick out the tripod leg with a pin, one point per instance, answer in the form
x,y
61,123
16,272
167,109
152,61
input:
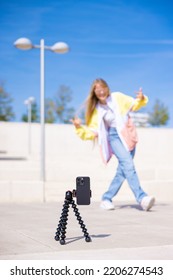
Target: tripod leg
x,y
61,229
77,214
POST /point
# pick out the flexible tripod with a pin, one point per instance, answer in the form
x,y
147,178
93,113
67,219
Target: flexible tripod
x,y
61,229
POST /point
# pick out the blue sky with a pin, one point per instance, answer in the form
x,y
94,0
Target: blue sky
x,y
127,43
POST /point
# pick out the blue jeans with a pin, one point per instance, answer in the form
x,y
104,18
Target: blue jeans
x,y
125,169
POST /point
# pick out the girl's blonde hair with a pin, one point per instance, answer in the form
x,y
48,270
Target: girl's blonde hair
x,y
92,99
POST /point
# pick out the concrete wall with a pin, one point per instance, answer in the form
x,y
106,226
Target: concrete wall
x,y
67,157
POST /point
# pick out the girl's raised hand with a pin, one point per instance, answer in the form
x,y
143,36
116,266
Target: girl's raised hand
x,y
140,94
76,121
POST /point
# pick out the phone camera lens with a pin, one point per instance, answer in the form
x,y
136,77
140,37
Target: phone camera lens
x,y
82,181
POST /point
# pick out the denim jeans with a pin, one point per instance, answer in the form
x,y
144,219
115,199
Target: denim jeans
x,y
125,169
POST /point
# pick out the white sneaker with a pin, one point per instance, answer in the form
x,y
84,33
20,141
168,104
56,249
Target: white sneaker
x,y
147,202
107,205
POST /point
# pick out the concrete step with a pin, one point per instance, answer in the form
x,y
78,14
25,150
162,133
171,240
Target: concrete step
x,y
57,172
30,191
161,190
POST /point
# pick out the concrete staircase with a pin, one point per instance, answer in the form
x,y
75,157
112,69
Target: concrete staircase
x,y
68,157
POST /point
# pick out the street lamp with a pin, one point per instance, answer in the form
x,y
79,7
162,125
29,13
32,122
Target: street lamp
x,y
60,47
28,102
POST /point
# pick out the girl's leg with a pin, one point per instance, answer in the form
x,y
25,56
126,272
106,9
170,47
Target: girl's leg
x,y
126,169
115,185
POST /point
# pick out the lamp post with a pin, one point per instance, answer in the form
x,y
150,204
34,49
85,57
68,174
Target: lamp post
x,y
28,102
60,47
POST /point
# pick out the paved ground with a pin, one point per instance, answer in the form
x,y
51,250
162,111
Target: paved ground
x,y
27,232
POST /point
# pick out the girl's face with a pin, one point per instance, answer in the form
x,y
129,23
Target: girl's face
x,y
101,92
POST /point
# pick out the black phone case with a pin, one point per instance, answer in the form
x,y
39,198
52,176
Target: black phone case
x,y
83,192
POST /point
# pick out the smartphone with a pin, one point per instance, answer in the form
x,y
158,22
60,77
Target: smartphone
x,y
83,192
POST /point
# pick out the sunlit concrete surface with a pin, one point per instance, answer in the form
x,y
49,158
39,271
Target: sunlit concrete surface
x,y
126,233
